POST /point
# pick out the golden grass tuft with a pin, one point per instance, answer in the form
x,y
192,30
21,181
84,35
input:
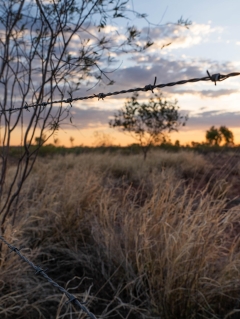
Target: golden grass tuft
x,y
149,246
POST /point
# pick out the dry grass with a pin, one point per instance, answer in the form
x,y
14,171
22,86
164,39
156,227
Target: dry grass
x,y
150,247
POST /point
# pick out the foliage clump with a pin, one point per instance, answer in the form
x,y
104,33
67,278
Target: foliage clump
x,y
215,136
148,122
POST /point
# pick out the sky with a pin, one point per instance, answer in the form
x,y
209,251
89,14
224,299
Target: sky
x,y
211,42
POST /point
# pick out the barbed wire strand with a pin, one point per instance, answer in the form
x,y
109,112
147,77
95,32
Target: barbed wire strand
x,y
214,78
41,272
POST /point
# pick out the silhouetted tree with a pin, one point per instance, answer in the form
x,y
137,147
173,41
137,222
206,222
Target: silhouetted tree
x,y
147,122
213,136
56,141
71,139
227,135
40,140
177,143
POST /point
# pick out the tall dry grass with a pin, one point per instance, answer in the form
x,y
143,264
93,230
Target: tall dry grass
x,y
126,236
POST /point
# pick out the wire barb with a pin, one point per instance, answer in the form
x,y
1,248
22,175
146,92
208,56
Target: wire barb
x,y
15,249
101,96
26,107
214,77
39,270
150,87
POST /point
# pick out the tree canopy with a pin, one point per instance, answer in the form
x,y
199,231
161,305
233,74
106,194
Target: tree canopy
x,y
215,136
148,122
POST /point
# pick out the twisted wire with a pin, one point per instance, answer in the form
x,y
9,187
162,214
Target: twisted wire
x,y
41,272
214,78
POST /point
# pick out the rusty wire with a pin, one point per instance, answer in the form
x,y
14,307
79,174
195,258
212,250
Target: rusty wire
x,y
41,272
214,78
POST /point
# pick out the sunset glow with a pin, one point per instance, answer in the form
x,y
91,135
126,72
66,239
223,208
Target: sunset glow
x,y
178,53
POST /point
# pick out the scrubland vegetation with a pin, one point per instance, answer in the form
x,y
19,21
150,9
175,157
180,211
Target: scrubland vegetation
x,y
132,238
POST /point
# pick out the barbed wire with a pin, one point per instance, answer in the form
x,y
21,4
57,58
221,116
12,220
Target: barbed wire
x,y
214,78
41,272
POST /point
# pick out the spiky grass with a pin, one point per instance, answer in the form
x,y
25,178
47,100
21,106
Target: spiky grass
x,y
133,229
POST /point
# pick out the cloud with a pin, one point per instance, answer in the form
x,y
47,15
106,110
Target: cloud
x,y
205,120
179,36
145,65
143,72
86,118
208,93
81,118
93,118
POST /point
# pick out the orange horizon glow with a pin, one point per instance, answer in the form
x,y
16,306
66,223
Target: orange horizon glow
x,y
86,137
